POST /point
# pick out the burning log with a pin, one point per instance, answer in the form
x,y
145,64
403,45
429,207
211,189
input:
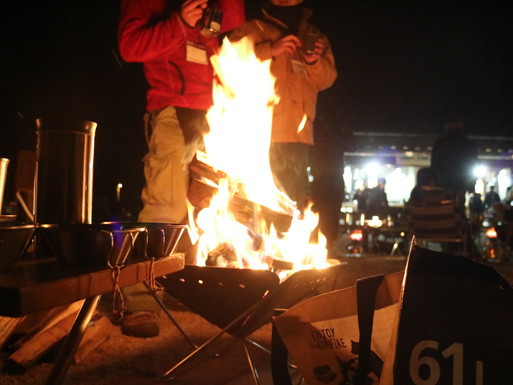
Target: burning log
x,y
248,214
221,255
204,185
262,221
199,167
204,181
201,192
280,264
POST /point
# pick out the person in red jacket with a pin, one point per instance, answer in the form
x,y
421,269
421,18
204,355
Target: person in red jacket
x,y
174,44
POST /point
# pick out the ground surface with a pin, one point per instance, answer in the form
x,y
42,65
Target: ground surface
x,y
122,360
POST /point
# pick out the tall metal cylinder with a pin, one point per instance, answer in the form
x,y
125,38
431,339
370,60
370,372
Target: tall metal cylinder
x,y
63,190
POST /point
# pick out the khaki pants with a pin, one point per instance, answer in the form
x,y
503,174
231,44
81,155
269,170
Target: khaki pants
x,y
173,136
165,169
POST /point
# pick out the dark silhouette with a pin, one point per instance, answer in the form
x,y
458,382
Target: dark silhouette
x,y
477,209
427,191
327,167
476,205
453,158
360,196
491,197
377,202
509,195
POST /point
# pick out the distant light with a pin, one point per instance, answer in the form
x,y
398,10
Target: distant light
x,y
375,222
118,191
491,233
372,169
480,171
356,235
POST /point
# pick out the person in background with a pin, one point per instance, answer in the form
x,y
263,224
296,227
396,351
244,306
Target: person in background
x,y
377,201
477,209
360,196
453,158
427,191
491,197
508,199
283,34
174,46
327,167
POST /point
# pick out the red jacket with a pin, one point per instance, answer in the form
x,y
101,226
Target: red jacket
x,y
149,32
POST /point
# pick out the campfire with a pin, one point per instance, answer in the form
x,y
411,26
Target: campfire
x,y
248,222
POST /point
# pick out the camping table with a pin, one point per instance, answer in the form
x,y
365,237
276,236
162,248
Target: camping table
x,y
35,285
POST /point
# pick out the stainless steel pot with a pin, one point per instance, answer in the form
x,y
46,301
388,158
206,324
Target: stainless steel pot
x,y
64,171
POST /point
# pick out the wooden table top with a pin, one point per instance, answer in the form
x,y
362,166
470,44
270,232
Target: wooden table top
x,y
36,285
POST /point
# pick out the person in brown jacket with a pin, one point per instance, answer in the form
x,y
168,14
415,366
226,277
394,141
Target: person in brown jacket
x,y
303,64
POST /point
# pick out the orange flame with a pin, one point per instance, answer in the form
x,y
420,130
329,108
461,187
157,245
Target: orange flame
x,y
238,144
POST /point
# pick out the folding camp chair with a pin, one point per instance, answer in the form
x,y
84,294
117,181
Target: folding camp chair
x,y
442,223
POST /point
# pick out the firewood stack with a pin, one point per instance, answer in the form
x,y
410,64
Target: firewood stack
x,y
24,341
205,183
257,218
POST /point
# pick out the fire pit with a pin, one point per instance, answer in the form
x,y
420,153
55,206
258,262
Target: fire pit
x,y
240,301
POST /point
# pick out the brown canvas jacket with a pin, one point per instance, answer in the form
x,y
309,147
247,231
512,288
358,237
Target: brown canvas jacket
x,y
298,94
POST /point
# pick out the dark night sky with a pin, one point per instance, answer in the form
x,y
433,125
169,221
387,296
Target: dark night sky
x,y
402,68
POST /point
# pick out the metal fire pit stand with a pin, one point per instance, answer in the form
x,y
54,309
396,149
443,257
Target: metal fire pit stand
x,y
240,301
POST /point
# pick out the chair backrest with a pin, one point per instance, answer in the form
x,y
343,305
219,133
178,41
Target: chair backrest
x,y
442,223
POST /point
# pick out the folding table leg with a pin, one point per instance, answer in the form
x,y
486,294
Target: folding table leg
x,y
72,341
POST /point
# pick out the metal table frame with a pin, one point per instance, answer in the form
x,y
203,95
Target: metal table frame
x,y
33,286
